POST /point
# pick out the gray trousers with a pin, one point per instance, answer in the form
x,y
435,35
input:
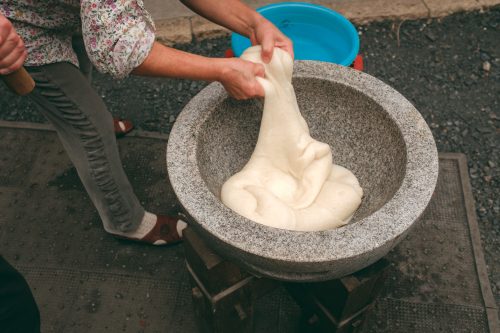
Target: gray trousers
x,y
85,127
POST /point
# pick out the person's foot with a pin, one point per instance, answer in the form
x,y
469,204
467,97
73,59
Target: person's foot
x,y
122,127
156,230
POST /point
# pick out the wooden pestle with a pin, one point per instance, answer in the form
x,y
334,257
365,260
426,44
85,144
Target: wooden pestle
x,y
19,81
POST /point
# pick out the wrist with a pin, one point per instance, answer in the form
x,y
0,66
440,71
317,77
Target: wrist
x,y
220,69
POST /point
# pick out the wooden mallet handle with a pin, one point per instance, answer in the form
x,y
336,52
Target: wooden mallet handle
x,y
19,81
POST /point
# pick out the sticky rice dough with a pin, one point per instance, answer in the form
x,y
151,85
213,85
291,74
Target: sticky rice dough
x,y
290,181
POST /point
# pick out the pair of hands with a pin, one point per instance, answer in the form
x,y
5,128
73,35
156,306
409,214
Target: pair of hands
x,y
239,76
12,50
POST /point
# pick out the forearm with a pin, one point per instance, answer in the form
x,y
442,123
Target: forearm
x,y
236,75
232,14
164,61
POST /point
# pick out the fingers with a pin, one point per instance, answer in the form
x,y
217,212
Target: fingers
x,y
285,44
254,89
267,49
253,39
288,47
269,36
244,90
9,46
5,28
259,90
11,61
15,66
259,70
240,78
8,49
12,50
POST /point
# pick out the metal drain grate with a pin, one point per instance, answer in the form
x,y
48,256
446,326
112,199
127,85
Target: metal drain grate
x,y
437,281
392,315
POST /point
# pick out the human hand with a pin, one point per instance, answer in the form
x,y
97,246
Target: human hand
x,y
12,50
268,36
239,78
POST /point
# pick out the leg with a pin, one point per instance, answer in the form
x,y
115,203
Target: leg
x,y
18,310
85,128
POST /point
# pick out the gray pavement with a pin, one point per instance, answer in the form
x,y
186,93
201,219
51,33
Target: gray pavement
x,y
177,24
84,280
375,9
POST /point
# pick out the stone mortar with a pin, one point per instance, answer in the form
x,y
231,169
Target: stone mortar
x,y
372,130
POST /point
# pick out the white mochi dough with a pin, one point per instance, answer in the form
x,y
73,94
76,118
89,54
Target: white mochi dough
x,y
290,181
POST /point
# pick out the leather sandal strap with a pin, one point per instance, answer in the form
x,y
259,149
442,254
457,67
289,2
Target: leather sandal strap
x,y
165,230
127,126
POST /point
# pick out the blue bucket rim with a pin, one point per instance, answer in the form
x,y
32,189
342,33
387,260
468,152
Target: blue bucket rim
x,y
347,60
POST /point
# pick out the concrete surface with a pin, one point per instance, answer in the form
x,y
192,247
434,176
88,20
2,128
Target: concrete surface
x,y
438,8
178,24
175,30
84,280
372,130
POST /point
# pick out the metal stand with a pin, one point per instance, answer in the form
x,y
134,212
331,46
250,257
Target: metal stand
x,y
224,294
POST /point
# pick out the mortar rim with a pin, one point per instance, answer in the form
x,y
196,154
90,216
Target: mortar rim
x,y
185,177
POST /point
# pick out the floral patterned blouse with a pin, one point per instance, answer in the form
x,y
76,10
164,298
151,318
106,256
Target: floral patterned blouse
x,y
118,34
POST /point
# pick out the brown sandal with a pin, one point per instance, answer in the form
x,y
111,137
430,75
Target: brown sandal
x,y
122,127
167,231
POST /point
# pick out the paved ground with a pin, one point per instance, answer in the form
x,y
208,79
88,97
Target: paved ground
x,y
177,24
449,68
355,9
87,281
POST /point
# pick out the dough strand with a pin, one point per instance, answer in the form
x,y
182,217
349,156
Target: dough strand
x,y
290,181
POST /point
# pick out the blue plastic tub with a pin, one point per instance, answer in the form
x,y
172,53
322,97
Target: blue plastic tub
x,y
318,33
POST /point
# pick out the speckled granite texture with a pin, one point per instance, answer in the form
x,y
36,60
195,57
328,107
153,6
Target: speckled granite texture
x,y
373,131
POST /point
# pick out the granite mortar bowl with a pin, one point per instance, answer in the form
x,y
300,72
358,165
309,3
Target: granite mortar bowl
x,y
372,130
